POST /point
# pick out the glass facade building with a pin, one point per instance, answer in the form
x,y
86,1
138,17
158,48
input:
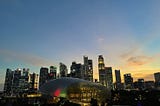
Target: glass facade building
x,y
128,80
101,66
75,90
43,76
63,70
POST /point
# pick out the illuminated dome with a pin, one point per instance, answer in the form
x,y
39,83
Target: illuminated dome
x,y
74,89
59,86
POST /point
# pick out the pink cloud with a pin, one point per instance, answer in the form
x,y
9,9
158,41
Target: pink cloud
x,y
34,60
139,60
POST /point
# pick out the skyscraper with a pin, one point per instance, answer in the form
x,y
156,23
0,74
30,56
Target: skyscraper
x,y
109,77
34,81
90,71
8,82
102,74
76,70
63,70
43,76
157,79
85,67
128,80
53,73
141,84
24,80
16,81
87,72
19,81
101,64
149,85
118,79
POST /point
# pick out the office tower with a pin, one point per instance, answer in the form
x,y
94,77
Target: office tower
x,y
128,80
53,73
8,82
63,70
139,84
76,70
109,77
149,85
90,71
16,80
118,79
87,72
26,76
157,79
85,68
101,64
157,76
102,74
24,80
118,76
34,81
43,76
25,73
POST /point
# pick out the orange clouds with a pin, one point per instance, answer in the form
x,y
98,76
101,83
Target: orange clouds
x,y
138,60
139,64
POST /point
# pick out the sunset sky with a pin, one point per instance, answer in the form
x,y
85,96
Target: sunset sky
x,y
35,33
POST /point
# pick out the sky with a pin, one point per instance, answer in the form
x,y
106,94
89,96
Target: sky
x,y
36,33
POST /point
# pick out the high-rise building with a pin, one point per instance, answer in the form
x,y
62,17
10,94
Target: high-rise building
x,y
85,68
19,81
149,85
101,64
157,76
53,73
16,81
24,80
109,77
118,79
8,82
102,74
87,72
25,73
76,70
157,79
34,81
43,76
63,70
139,84
118,76
90,71
128,80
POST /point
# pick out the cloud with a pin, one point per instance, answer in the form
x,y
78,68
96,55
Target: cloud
x,y
12,56
100,39
130,52
135,59
139,60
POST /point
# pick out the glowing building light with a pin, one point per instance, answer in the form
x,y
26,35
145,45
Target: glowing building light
x,y
57,92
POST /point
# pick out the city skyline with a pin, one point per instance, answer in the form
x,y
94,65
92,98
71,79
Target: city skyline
x,y
37,33
23,79
49,73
